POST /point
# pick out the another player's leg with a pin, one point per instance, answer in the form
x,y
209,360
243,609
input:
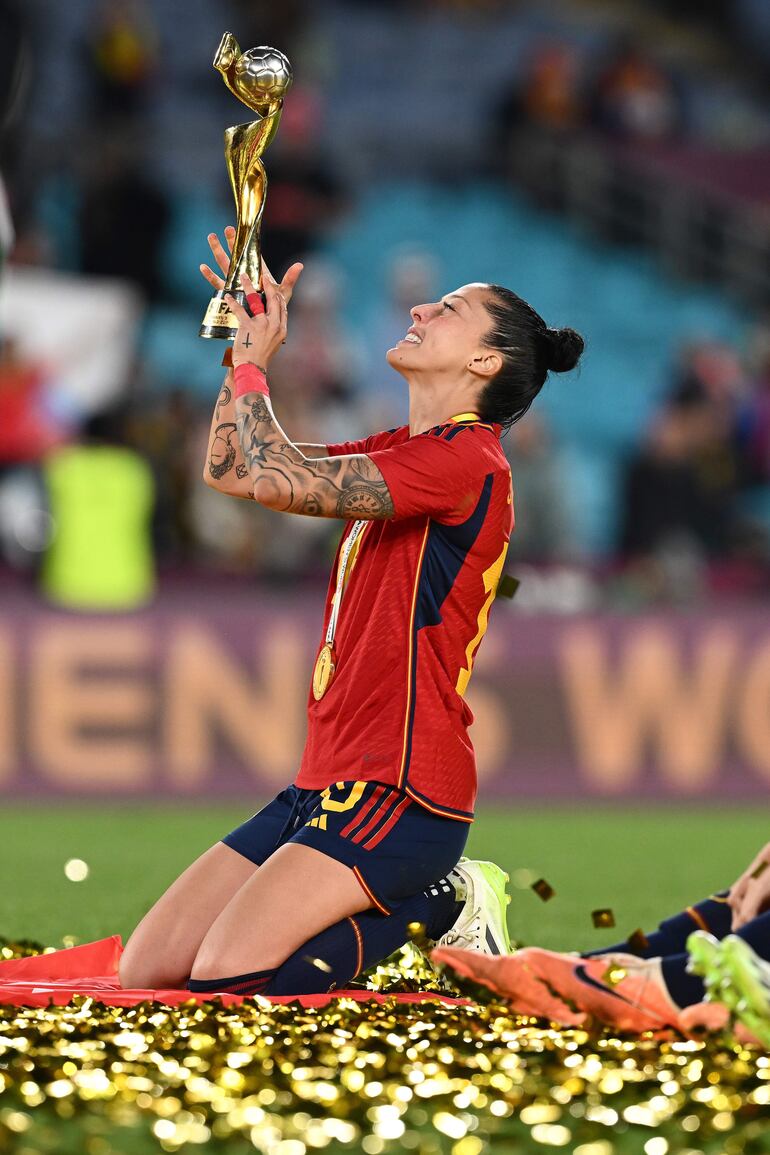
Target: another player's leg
x,y
622,990
736,973
529,978
670,938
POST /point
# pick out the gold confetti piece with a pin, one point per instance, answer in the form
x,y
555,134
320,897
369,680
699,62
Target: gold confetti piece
x,y
638,941
76,869
613,975
603,917
543,890
318,963
507,586
760,869
417,932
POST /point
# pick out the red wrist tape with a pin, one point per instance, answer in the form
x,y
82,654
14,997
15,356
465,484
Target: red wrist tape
x,y
250,379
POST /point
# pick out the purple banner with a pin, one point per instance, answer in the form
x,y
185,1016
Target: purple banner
x,y
204,695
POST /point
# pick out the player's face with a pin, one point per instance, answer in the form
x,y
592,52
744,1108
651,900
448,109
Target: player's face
x,y
445,335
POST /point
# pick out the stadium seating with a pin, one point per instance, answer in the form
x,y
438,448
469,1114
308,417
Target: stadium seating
x,y
633,319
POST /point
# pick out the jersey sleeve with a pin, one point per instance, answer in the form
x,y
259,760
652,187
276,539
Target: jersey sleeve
x,y
365,445
435,476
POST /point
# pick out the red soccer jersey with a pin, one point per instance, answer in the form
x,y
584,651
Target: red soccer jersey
x,y
419,587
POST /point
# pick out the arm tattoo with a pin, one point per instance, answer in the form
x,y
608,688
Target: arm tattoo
x,y
223,450
318,487
224,399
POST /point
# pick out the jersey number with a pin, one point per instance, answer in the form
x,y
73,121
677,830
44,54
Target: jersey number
x,y
329,803
491,578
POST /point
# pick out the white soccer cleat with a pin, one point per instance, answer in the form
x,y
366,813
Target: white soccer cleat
x,y
481,924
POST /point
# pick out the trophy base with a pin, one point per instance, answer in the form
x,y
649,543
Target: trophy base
x,y
220,321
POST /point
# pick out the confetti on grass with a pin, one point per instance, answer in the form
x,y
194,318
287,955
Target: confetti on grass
x,y
543,890
603,917
427,1078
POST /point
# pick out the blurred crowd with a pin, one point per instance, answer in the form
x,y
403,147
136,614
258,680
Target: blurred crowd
x,y
694,512
628,95
695,491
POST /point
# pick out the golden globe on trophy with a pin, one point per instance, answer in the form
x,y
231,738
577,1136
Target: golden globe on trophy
x,y
260,78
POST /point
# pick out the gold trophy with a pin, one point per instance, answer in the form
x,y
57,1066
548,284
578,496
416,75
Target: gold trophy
x,y
260,78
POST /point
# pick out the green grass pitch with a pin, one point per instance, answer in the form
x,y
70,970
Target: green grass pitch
x,y
642,862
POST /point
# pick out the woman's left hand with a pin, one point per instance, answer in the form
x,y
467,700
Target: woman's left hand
x,y
751,893
260,337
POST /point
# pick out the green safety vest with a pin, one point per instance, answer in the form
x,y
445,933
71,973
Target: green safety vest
x,y
100,556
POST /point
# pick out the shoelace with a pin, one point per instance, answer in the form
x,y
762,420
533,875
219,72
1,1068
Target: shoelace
x,y
452,936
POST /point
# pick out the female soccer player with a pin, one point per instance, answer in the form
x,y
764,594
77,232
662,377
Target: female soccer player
x,y
325,880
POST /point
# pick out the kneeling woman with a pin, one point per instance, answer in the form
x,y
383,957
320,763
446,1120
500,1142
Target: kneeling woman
x,y
369,837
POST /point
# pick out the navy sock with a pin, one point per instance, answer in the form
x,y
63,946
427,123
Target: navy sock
x,y
254,983
685,989
335,956
712,914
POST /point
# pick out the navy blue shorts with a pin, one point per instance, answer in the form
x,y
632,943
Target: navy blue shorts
x,y
395,847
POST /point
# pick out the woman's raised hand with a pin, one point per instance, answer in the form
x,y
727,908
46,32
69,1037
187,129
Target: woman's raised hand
x,y
221,256
222,259
286,287
261,336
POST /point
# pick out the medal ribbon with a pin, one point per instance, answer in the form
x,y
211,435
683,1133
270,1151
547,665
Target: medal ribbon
x,y
350,541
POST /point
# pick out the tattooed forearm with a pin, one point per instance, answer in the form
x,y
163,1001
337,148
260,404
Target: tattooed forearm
x,y
283,478
224,468
223,450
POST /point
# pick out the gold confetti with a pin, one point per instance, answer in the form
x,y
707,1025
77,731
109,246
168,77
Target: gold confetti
x,y
507,586
543,890
318,963
424,1077
76,869
760,869
638,941
603,917
613,975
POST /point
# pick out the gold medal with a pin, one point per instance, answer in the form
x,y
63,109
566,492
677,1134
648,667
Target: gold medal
x,y
323,672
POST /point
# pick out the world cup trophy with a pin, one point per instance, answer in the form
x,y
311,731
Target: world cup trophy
x,y
260,78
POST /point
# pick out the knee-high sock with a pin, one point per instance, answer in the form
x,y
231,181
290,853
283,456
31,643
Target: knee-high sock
x,y
361,941
712,914
254,983
686,989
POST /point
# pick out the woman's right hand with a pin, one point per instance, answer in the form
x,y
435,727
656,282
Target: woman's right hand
x,y
222,258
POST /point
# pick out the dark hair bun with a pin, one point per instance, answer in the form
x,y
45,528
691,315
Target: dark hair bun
x,y
564,349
